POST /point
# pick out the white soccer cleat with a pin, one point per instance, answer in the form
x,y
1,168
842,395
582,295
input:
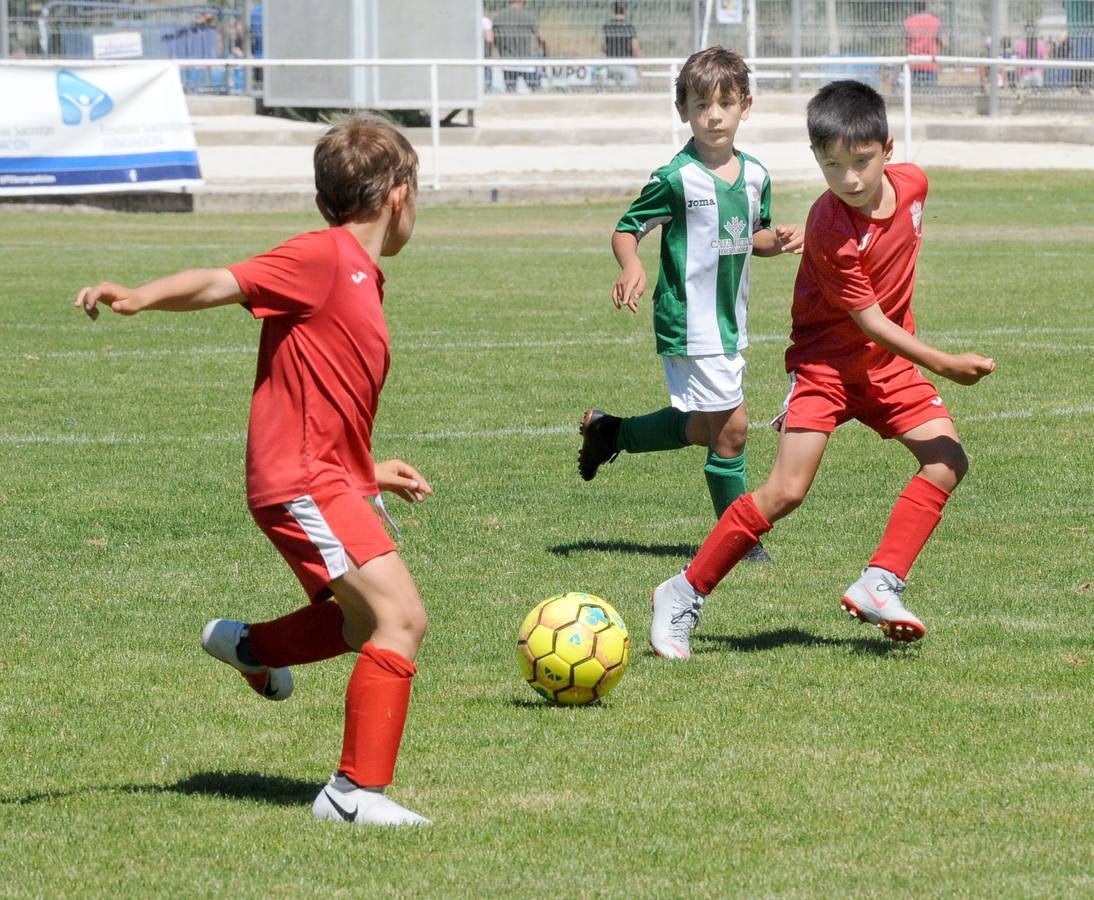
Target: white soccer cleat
x,y
220,638
677,609
875,599
362,807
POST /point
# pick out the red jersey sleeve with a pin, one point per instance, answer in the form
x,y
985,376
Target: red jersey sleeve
x,y
292,279
837,266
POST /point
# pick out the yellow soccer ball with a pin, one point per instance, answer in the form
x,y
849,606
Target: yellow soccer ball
x,y
573,648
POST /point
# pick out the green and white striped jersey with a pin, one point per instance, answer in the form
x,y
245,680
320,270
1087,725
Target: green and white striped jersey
x,y
700,306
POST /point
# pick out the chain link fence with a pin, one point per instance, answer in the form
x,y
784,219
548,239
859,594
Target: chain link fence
x,y
845,29
629,30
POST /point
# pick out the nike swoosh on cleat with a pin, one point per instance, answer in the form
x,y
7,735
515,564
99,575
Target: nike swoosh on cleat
x,y
347,815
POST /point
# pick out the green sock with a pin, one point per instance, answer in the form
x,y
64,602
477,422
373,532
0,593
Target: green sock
x,y
725,480
665,429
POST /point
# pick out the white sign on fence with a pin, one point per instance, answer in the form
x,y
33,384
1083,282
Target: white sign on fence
x,y
730,12
117,45
95,129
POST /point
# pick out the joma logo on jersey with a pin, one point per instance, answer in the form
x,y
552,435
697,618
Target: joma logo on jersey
x,y
708,202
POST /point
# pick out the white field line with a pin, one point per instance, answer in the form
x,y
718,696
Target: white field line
x,y
452,434
639,336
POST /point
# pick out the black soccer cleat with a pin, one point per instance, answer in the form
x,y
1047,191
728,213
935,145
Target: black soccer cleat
x,y
757,554
599,436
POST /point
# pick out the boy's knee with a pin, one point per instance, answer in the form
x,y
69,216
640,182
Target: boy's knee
x,y
948,471
730,440
416,621
960,465
779,500
730,444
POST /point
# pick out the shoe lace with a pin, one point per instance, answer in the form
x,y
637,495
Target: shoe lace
x,y
890,582
686,618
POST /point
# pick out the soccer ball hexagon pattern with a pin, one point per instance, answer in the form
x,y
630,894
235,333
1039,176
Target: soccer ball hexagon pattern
x,y
573,648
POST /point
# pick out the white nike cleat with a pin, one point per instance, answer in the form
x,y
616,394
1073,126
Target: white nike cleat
x,y
362,807
221,637
875,599
677,609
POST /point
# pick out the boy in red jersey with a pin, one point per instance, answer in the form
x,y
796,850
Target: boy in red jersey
x,y
853,356
323,357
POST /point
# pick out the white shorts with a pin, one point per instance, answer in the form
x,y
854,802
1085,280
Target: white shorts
x,y
705,383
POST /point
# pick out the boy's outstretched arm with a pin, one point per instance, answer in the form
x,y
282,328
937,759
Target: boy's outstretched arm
x,y
185,291
964,368
777,240
631,283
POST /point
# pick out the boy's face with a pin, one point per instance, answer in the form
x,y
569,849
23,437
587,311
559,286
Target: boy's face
x,y
714,119
855,174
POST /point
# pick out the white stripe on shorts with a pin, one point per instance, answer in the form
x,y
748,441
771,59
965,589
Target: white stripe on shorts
x,y
777,422
307,515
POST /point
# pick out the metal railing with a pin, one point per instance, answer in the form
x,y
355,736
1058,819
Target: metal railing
x,y
821,68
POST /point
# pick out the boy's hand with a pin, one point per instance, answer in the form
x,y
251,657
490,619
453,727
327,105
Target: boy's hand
x,y
789,239
118,298
629,287
402,479
967,368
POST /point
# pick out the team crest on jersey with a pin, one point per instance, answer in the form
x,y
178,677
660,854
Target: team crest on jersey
x,y
917,218
735,227
737,242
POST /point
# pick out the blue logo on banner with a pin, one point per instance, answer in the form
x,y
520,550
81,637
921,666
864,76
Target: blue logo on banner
x,y
78,97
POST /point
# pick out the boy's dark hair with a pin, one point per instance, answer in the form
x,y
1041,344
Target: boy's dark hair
x,y
847,112
357,163
619,8
715,67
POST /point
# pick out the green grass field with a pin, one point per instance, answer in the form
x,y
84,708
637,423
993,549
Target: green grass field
x,y
796,754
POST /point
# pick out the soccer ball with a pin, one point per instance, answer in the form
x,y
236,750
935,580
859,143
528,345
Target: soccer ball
x,y
573,648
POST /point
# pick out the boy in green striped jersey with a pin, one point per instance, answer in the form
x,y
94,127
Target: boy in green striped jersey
x,y
714,205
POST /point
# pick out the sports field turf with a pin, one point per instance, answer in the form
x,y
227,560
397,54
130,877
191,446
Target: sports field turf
x,y
796,754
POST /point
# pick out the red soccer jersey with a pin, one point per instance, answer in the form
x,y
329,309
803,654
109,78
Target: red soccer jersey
x,y
851,262
322,359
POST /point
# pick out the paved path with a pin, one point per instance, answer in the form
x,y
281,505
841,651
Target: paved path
x,y
570,148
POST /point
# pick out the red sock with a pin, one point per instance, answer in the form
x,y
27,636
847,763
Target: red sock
x,y
304,636
915,514
737,531
377,698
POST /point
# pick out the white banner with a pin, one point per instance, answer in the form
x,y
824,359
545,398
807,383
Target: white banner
x,y
94,129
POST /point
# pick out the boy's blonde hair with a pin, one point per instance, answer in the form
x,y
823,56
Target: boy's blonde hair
x,y
357,163
715,67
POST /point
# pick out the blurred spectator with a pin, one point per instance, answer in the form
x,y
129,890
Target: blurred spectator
x,y
922,34
1032,48
256,31
516,36
239,51
488,51
256,43
621,40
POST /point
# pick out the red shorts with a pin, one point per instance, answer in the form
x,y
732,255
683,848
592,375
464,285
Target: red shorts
x,y
321,536
891,405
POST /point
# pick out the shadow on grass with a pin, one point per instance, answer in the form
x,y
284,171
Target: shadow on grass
x,y
248,786
685,550
236,785
790,637
546,706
